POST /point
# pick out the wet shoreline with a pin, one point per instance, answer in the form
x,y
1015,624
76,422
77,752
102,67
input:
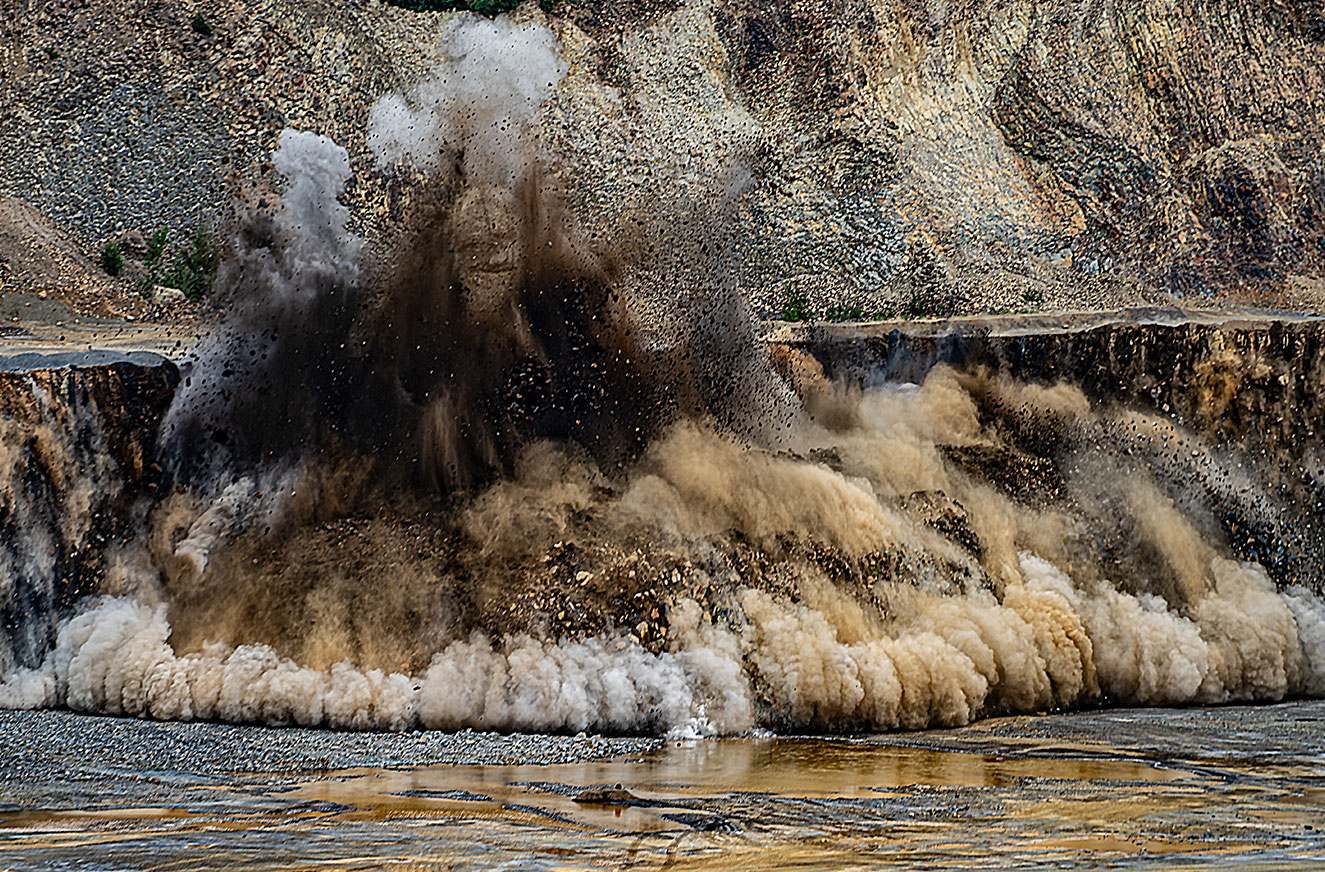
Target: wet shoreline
x,y
1236,786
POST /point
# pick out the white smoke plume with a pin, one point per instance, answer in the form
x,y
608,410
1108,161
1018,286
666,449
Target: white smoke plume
x,y
252,393
482,101
324,253
472,129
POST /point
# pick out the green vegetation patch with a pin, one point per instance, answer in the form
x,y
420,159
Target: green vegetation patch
x,y
111,259
187,264
796,307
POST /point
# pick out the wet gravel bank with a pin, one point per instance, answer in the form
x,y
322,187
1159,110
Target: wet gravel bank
x,y
52,759
1230,787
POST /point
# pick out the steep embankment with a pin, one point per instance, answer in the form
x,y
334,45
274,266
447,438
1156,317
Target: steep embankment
x,y
1247,387
76,449
901,155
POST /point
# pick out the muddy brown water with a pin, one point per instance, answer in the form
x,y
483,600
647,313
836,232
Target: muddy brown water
x,y
1233,787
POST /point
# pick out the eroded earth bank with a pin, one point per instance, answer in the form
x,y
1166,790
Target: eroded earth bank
x,y
941,536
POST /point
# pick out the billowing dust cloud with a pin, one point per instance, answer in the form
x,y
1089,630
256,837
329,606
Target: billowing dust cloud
x,y
939,634
470,487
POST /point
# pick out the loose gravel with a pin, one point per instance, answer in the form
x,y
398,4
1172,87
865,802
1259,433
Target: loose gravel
x,y
54,759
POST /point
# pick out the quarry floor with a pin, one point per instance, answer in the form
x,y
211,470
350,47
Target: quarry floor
x,y
1233,787
38,331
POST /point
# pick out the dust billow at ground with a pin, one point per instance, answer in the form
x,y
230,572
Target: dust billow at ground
x,y
511,479
861,578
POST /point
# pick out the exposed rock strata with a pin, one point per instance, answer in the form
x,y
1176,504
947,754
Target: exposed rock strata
x,y
76,447
1250,390
905,154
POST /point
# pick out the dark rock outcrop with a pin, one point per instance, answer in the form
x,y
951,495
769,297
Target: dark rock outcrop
x,y
77,446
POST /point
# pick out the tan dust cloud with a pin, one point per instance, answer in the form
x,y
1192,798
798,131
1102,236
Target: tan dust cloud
x,y
895,653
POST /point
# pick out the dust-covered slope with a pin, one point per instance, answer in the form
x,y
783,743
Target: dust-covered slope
x,y
906,156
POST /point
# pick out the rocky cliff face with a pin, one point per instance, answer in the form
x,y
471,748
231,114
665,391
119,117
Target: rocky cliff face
x,y
905,155
76,445
1141,456
1227,414
938,155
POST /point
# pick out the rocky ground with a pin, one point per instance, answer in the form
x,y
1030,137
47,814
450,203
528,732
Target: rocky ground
x,y
1233,787
56,759
907,158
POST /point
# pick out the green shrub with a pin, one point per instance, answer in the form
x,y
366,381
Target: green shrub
x,y
111,259
841,312
200,25
183,280
931,300
156,245
797,308
194,268
1034,296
